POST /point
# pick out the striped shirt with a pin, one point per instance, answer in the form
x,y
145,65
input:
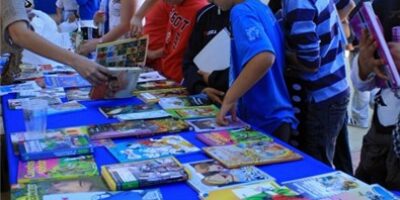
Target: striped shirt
x,y
314,33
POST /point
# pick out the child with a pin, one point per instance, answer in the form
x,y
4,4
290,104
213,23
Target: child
x,y
258,89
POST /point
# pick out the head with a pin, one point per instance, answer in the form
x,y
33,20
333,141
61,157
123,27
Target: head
x,y
225,5
174,2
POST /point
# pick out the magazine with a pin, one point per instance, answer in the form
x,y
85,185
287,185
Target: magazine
x,y
154,194
256,153
182,102
227,137
371,192
151,76
210,124
153,96
47,92
56,169
114,111
194,112
65,81
152,148
125,176
324,185
130,52
157,85
78,94
70,106
14,104
209,175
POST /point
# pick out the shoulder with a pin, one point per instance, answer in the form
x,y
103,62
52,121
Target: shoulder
x,y
244,8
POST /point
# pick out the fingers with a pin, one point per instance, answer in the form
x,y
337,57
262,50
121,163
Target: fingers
x,y
221,119
233,114
380,73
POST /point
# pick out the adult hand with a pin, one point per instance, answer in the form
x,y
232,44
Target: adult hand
x,y
395,50
91,71
367,61
136,26
88,46
225,108
205,76
213,94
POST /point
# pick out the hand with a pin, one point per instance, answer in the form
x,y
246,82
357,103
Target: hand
x,y
136,26
213,94
91,71
205,76
395,50
367,61
71,18
88,46
231,107
99,17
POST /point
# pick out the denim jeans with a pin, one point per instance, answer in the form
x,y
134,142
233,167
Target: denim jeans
x,y
324,133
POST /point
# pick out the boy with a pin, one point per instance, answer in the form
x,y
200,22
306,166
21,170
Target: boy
x,y
258,89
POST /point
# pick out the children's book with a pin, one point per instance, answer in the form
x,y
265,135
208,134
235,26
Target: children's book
x,y
374,191
55,147
154,194
50,69
194,112
114,111
153,96
14,104
65,81
125,176
261,190
182,102
324,185
78,94
56,169
27,86
36,191
210,124
152,148
70,106
47,92
130,52
228,137
365,18
28,76
209,175
144,115
121,84
158,85
256,153
137,128
151,76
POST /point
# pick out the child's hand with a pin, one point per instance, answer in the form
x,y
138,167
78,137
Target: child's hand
x,y
205,76
213,94
367,61
395,50
88,46
225,108
136,26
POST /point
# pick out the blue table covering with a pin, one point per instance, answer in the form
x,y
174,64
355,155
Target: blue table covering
x,y
13,122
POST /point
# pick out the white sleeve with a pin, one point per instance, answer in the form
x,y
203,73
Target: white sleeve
x,y
59,4
366,85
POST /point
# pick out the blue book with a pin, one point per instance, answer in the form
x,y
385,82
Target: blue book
x,y
65,81
40,149
151,194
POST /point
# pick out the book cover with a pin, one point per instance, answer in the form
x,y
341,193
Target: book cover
x,y
152,148
209,175
374,191
14,104
55,147
153,96
324,185
254,191
256,153
130,52
228,137
36,191
157,85
144,115
108,195
47,92
113,111
52,69
210,124
70,106
194,112
151,76
65,81
16,88
78,94
121,84
137,128
125,176
28,76
56,169
182,102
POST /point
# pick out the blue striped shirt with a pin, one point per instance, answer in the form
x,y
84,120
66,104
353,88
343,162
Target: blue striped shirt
x,y
314,33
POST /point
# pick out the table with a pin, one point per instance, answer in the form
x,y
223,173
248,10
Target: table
x,y
13,122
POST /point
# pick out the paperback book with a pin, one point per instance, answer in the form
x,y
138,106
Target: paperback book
x,y
374,191
14,104
52,69
324,185
132,112
209,175
41,149
27,86
256,153
65,81
46,92
56,169
182,102
151,76
154,194
210,124
228,137
153,96
194,112
152,148
143,115
70,106
137,128
158,85
78,94
125,176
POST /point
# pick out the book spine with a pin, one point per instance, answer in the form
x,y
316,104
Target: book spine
x,y
108,178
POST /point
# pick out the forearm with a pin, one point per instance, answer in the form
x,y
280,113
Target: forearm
x,y
344,12
116,33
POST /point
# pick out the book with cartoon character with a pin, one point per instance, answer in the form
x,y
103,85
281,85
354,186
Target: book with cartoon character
x,y
227,137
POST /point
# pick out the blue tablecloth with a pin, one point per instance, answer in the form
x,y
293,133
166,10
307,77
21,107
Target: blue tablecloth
x,y
13,122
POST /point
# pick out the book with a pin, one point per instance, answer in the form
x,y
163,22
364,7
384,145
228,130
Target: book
x,y
16,88
56,169
28,76
373,191
70,106
228,137
46,92
151,76
114,111
125,176
194,112
36,191
50,69
153,96
260,190
324,185
40,149
65,81
182,102
207,61
157,85
144,115
209,175
15,104
366,18
137,128
78,94
121,84
154,194
152,148
210,124
256,153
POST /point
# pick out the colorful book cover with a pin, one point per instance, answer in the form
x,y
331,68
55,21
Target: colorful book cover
x,y
324,185
256,153
56,69
182,102
144,115
14,104
137,128
152,148
158,85
65,81
153,96
194,112
210,124
55,147
130,52
27,86
151,76
255,191
228,137
113,111
56,169
78,94
209,175
70,106
28,76
108,195
374,191
36,191
125,176
47,92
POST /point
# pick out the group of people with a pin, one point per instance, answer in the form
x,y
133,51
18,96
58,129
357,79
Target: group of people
x,y
300,46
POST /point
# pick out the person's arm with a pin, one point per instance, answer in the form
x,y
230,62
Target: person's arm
x,y
344,8
58,15
136,24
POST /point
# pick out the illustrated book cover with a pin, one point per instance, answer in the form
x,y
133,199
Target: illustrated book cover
x,y
182,102
228,137
373,191
14,104
151,76
65,81
210,124
70,106
154,194
194,112
78,94
157,85
153,96
134,112
46,92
